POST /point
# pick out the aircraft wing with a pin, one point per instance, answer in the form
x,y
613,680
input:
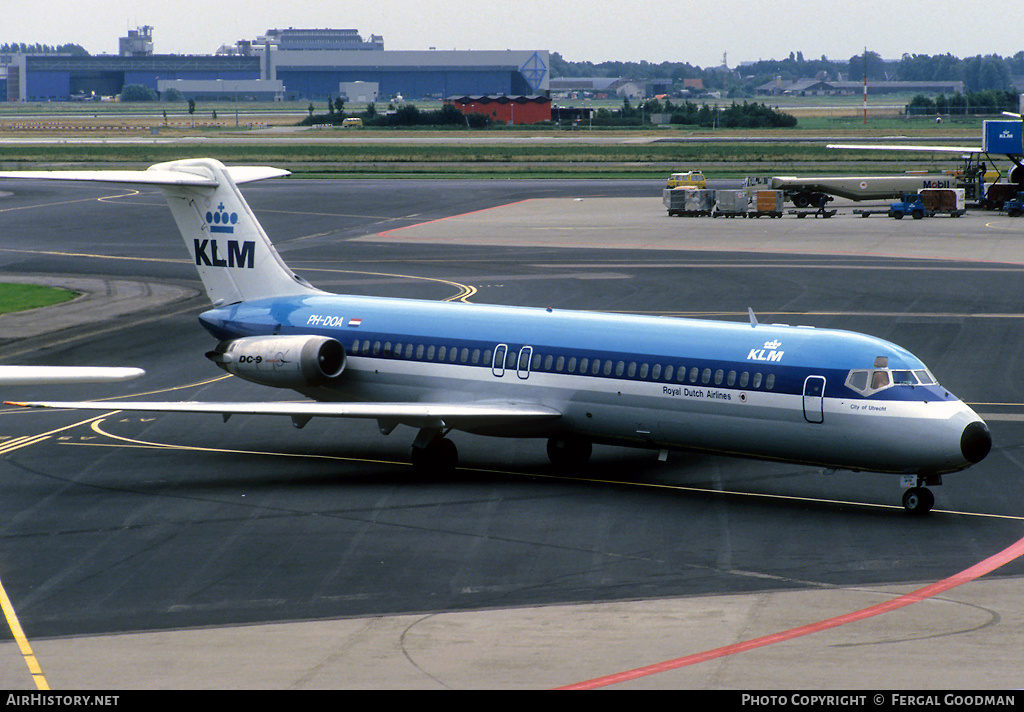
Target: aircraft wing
x,y
415,414
45,375
901,147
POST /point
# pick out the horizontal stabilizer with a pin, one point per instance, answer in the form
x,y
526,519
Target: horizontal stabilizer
x,y
157,175
231,252
415,414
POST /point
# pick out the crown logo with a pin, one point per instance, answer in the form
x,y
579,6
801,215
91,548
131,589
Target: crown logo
x,y
221,221
772,344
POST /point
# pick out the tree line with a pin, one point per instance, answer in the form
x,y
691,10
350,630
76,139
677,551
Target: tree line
x,y
404,115
745,115
978,73
23,48
970,103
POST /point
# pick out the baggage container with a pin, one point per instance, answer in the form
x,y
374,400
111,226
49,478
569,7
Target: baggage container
x,y
768,202
944,200
673,200
731,203
688,201
999,193
699,201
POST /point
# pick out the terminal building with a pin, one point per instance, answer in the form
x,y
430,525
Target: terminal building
x,y
292,64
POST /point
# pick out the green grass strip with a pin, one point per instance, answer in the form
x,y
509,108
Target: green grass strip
x,y
19,297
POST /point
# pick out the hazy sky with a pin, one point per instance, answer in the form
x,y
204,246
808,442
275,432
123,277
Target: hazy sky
x,y
596,30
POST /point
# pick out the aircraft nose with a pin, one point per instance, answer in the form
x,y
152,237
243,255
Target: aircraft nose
x,y
975,442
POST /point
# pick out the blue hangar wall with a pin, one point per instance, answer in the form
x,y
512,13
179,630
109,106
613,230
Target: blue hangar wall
x,y
306,74
58,77
313,74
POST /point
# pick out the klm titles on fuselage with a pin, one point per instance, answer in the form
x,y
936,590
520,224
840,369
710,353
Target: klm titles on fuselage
x,y
770,352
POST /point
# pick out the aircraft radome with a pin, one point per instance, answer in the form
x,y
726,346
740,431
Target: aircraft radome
x,y
829,398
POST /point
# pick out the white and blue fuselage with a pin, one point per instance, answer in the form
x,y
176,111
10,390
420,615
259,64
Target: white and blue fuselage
x,y
759,390
825,397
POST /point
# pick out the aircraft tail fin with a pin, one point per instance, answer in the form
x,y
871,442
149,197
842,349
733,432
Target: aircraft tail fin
x,y
233,255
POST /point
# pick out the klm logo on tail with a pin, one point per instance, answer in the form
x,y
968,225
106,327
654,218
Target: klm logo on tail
x,y
221,221
224,253
214,253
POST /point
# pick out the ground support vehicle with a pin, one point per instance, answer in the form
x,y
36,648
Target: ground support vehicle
x,y
690,179
815,191
1014,207
819,213
912,205
930,202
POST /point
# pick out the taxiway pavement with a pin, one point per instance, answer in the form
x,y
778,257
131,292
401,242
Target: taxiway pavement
x,y
168,552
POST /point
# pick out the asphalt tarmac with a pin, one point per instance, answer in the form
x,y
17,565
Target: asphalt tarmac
x,y
175,551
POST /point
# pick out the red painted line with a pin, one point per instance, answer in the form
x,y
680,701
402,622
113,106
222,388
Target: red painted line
x,y
387,233
990,564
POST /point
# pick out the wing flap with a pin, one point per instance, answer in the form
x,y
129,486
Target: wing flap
x,y
455,415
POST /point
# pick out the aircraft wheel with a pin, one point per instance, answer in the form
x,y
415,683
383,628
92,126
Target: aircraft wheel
x,y
801,200
918,500
567,450
439,457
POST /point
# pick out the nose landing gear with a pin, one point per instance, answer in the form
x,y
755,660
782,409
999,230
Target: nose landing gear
x,y
918,499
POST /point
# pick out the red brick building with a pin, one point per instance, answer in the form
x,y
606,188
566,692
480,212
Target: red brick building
x,y
514,110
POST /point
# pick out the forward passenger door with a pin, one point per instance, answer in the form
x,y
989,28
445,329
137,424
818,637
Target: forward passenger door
x,y
814,399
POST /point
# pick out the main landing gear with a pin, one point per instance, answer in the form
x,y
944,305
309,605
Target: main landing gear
x,y
568,450
433,453
918,499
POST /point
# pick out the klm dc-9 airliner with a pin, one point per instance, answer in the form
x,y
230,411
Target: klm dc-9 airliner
x,y
823,397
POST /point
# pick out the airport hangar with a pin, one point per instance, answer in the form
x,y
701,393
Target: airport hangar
x,y
280,71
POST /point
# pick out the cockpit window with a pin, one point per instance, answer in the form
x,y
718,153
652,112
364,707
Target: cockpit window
x,y
867,382
858,380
